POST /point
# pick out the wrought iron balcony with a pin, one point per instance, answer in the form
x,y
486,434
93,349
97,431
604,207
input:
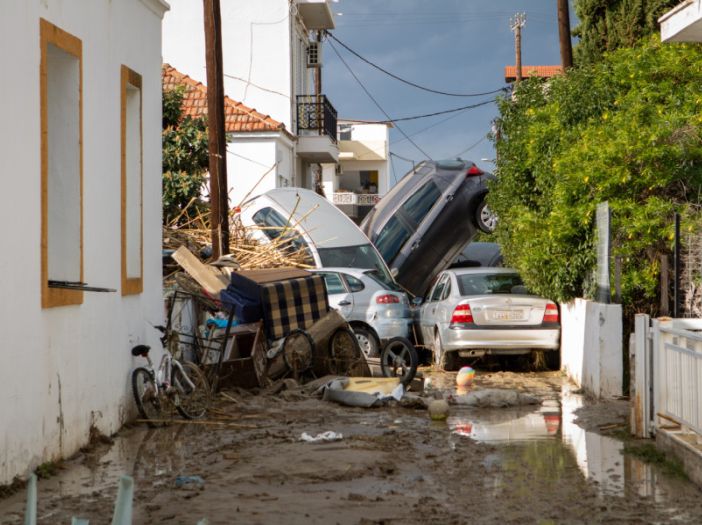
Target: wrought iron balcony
x,y
315,113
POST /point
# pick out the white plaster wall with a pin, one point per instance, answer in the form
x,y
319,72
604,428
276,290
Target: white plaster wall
x,y
591,346
250,165
69,367
257,52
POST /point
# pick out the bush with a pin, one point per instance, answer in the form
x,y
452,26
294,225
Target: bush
x,y
185,159
625,130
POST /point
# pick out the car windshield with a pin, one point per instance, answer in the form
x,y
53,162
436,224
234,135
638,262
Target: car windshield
x,y
363,256
491,283
383,281
391,238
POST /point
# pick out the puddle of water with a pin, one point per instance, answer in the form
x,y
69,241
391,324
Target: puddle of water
x,y
545,439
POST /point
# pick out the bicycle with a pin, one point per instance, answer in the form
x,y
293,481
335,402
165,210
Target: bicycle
x,y
182,386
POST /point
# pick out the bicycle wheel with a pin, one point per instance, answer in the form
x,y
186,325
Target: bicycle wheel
x,y
193,401
344,351
298,348
146,395
399,359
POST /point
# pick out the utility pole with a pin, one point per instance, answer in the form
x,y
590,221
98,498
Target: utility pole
x,y
564,34
517,22
217,145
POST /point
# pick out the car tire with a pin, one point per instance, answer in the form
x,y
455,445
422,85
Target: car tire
x,y
485,218
367,340
444,361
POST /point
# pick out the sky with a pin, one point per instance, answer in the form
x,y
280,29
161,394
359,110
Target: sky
x,y
457,46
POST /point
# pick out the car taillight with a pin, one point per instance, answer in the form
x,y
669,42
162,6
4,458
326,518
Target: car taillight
x,y
462,315
474,170
387,299
551,313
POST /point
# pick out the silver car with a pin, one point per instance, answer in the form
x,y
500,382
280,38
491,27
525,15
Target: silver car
x,y
376,308
476,311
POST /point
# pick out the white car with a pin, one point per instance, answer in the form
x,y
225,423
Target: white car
x,y
328,235
376,309
471,312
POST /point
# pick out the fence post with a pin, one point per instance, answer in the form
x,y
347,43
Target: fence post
x,y
641,406
665,286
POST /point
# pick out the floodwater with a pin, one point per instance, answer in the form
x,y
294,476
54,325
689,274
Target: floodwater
x,y
510,465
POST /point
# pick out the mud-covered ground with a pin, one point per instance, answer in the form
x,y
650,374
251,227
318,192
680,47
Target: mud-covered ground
x,y
393,465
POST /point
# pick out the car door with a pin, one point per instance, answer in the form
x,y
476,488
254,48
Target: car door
x,y
339,296
429,309
444,310
360,297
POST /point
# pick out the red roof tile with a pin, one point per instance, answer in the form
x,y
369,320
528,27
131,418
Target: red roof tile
x,y
237,117
532,71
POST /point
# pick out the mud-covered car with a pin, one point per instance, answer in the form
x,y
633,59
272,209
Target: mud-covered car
x,y
421,225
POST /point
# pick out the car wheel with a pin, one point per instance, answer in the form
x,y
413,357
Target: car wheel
x,y
444,361
367,341
485,218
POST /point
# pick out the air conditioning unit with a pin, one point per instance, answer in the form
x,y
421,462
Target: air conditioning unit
x,y
314,54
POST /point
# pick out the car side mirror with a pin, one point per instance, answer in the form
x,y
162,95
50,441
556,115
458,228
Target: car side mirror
x,y
417,301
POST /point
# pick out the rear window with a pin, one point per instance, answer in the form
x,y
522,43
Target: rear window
x,y
391,238
419,204
278,229
491,283
386,283
363,256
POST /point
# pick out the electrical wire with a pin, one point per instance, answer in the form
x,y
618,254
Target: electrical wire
x,y
454,110
470,147
375,101
413,84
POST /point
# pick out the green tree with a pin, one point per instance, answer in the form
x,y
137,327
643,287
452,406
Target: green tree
x,y
185,158
606,25
627,130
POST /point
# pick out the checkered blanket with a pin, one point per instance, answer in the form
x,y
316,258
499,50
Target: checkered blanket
x,y
293,303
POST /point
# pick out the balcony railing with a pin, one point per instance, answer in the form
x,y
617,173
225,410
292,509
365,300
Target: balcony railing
x,y
315,113
359,199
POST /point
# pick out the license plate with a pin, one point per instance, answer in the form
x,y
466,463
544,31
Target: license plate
x,y
507,315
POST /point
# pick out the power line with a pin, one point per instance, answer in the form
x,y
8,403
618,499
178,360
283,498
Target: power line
x,y
454,110
430,90
470,147
427,128
375,101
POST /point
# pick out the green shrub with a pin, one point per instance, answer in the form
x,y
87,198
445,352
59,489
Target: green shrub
x,y
625,130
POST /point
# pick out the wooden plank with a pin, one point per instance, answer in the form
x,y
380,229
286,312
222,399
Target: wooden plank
x,y
206,276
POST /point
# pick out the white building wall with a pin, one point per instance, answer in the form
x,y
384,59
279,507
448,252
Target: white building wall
x,y
252,169
263,58
68,368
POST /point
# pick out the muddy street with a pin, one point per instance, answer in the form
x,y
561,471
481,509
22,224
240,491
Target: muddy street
x,y
545,463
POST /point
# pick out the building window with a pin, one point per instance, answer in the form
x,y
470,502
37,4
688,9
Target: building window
x,y
345,132
61,89
132,183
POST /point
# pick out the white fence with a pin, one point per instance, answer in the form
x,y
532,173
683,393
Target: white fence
x,y
667,375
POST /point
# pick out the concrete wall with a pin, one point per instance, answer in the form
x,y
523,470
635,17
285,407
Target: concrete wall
x,y
591,346
263,62
67,368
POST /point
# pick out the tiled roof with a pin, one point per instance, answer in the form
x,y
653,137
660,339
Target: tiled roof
x,y
237,117
532,71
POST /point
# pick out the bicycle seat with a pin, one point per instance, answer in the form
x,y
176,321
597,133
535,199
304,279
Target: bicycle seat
x,y
141,350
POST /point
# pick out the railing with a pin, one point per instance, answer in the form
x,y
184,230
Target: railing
x,y
667,374
315,113
359,199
